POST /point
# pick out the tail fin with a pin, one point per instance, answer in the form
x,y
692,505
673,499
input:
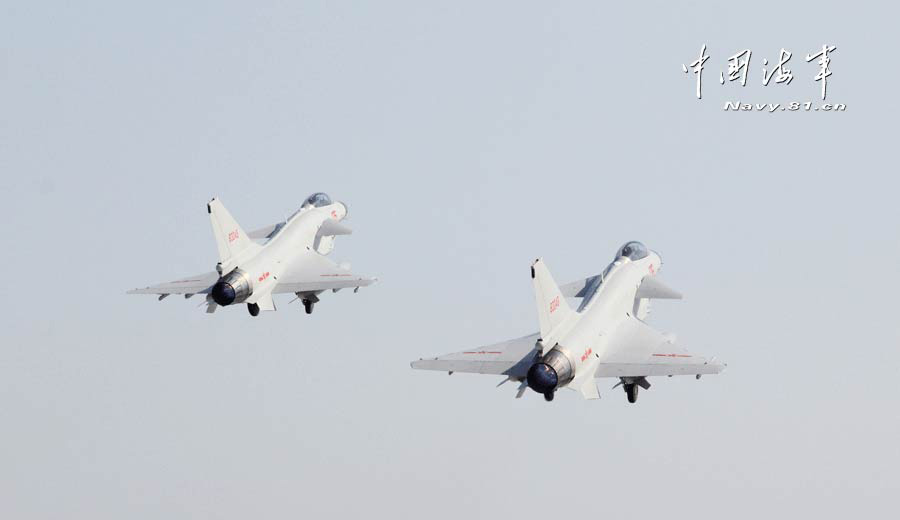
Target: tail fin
x,y
231,239
551,304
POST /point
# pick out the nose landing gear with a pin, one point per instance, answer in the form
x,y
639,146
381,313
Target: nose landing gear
x,y
308,305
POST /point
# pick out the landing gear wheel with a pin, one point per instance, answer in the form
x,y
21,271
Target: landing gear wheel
x,y
631,391
253,308
548,396
308,305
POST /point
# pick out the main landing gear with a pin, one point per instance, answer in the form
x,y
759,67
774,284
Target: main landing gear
x,y
253,308
631,385
631,391
308,299
548,396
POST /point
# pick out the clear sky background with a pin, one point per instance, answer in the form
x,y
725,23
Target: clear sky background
x,y
467,139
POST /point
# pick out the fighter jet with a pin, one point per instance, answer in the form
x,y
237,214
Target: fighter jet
x,y
603,336
286,257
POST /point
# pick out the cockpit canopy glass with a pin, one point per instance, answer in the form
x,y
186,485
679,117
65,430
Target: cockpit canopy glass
x,y
633,251
317,200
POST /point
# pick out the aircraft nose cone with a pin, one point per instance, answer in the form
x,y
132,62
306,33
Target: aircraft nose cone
x,y
542,378
223,293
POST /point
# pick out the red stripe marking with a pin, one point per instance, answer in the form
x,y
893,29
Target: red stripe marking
x,y
673,355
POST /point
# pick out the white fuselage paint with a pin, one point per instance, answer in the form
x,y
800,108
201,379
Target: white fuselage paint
x,y
275,256
587,341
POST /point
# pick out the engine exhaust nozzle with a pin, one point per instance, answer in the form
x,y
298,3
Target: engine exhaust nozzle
x,y
551,372
232,288
542,378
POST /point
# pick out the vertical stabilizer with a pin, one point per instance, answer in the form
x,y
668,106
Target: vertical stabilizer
x,y
551,304
231,239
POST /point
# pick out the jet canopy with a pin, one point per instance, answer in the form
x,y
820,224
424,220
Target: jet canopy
x,y
633,251
316,200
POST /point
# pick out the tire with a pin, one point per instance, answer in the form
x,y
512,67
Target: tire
x,y
631,391
253,308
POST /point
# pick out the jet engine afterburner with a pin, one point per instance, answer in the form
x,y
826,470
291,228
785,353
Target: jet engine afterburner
x,y
551,372
234,287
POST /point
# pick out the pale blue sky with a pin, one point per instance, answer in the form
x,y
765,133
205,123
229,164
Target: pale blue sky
x,y
467,139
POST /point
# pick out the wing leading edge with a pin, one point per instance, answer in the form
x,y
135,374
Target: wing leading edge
x,y
511,358
651,287
198,284
578,288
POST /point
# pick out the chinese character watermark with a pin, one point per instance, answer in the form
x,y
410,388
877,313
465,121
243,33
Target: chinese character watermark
x,y
697,67
739,67
784,73
824,72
